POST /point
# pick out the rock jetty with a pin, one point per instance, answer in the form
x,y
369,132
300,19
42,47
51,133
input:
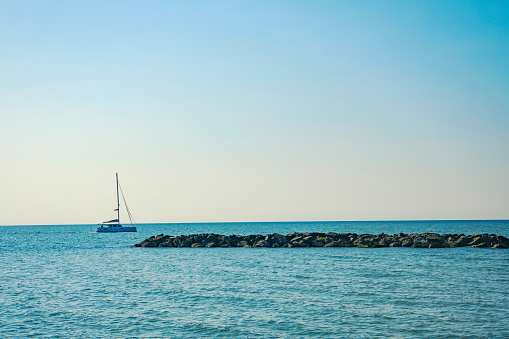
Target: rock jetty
x,y
423,240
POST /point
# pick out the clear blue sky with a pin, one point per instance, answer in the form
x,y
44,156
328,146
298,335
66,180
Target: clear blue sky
x,y
254,110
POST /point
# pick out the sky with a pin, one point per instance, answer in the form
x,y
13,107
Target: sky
x,y
217,111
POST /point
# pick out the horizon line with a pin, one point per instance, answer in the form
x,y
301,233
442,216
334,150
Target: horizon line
x,y
259,222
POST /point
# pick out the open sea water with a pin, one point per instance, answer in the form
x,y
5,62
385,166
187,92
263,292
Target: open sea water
x,y
66,281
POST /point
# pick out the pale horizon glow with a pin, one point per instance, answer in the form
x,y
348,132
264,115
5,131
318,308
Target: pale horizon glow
x,y
232,111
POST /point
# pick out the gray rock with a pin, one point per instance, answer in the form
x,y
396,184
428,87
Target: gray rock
x,y
300,243
332,244
168,243
461,241
364,240
476,241
500,245
296,239
435,240
309,239
160,239
284,240
261,243
383,242
345,243
420,242
317,243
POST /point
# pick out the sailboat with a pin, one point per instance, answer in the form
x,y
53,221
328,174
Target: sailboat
x,y
114,225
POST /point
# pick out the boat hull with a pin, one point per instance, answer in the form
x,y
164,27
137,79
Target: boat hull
x,y
115,228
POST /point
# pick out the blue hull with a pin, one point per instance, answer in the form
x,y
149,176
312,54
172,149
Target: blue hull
x,y
116,228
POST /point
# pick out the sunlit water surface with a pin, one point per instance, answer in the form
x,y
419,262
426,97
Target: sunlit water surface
x,y
68,281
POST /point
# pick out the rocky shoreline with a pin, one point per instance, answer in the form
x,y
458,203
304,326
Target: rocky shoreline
x,y
305,239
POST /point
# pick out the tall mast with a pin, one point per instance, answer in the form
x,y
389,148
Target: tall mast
x,y
118,202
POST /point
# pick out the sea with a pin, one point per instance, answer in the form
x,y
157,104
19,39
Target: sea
x,y
67,281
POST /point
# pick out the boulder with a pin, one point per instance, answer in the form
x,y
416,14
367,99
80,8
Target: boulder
x,y
242,243
481,245
476,241
308,240
160,239
299,243
168,243
295,239
386,241
461,241
364,240
502,240
332,244
435,240
317,243
346,243
186,242
420,242
407,242
500,245
261,243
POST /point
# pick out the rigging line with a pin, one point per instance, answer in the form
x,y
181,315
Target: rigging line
x,y
126,207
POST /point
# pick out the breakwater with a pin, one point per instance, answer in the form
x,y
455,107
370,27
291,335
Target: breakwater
x,y
305,239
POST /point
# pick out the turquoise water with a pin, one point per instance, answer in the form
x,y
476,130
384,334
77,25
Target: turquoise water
x,y
69,282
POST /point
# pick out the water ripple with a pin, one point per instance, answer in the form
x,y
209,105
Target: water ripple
x,y
69,282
